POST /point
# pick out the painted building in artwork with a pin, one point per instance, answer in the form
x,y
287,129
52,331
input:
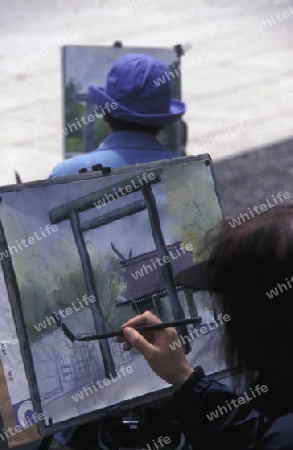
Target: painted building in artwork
x,y
145,283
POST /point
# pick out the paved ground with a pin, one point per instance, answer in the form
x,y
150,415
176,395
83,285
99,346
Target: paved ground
x,y
249,179
247,80
240,101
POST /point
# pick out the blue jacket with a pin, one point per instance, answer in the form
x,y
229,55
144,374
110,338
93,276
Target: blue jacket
x,y
121,148
240,427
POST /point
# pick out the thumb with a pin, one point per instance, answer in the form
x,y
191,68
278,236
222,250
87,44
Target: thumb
x,y
137,341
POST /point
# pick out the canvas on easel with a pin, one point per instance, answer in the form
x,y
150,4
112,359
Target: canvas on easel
x,y
97,249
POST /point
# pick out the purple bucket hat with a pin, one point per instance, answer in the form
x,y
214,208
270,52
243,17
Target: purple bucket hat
x,y
138,86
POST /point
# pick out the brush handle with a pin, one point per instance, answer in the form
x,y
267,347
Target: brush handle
x,y
143,328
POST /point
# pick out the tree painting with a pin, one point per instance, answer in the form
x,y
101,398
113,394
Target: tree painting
x,y
110,286
190,201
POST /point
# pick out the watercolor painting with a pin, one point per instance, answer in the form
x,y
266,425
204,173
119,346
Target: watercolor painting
x,y
97,250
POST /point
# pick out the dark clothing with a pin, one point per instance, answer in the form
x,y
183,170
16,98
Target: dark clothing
x,y
240,427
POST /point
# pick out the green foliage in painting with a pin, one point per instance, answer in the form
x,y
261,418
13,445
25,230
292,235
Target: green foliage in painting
x,y
110,287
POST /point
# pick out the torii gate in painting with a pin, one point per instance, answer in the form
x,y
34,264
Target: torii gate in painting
x,y
70,211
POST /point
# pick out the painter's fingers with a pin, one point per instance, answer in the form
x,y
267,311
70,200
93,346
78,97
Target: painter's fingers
x,y
120,339
127,346
167,361
147,318
136,340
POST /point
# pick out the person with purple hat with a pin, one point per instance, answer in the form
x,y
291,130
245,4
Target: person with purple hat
x,y
135,109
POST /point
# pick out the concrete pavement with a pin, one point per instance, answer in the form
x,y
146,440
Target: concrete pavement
x,y
239,99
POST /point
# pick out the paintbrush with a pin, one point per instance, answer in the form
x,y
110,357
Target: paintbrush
x,y
110,334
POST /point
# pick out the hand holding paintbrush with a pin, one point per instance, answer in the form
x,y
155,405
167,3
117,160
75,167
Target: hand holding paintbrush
x,y
119,333
158,346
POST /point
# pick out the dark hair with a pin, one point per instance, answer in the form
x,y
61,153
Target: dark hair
x,y
247,263
121,125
